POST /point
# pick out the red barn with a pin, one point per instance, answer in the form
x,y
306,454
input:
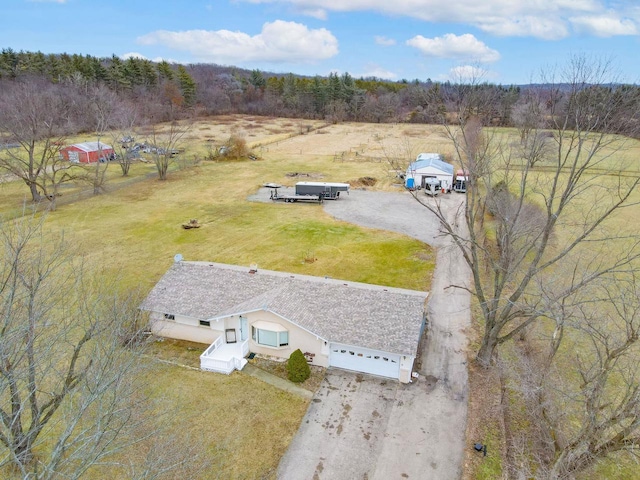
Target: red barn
x,y
87,152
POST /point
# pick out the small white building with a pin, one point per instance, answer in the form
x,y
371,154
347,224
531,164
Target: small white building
x,y
429,165
356,326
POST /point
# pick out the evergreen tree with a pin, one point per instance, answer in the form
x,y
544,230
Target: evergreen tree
x,y
290,91
53,68
335,87
66,66
116,75
320,95
133,71
297,367
9,63
257,79
98,72
165,72
187,86
36,63
149,73
275,85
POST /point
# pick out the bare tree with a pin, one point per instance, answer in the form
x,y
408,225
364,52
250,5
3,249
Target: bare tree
x,y
68,392
36,116
122,140
165,142
116,119
108,112
524,224
604,401
528,113
581,384
96,173
398,156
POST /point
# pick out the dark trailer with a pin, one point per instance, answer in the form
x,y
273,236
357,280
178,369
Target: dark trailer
x,y
276,197
328,190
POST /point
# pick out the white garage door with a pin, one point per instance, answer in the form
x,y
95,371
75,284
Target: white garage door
x,y
364,360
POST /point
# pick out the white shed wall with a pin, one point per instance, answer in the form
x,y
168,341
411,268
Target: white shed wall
x,y
445,178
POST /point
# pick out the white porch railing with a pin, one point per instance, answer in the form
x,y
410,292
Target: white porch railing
x,y
214,346
224,357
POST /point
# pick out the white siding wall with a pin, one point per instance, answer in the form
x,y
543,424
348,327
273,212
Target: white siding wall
x,y
406,367
445,178
298,338
185,328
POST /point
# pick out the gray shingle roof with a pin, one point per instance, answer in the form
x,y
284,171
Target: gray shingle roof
x,y
358,314
435,160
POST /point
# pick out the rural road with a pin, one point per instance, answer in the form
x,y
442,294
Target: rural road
x,y
365,427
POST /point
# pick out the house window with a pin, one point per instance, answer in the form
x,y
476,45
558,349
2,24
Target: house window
x,y
205,323
169,316
276,337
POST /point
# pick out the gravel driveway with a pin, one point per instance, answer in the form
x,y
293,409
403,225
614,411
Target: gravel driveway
x,y
365,427
398,212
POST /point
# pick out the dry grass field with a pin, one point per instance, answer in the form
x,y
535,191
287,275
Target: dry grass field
x,y
133,231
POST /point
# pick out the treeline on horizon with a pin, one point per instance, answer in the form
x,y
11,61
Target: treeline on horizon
x,y
160,91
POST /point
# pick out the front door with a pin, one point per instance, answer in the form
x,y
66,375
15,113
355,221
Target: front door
x,y
244,329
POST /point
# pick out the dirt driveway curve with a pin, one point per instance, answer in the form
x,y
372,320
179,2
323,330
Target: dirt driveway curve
x,y
365,427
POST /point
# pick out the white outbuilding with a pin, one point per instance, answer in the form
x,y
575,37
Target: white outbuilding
x,y
426,166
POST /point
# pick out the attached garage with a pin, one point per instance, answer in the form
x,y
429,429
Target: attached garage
x,y
364,360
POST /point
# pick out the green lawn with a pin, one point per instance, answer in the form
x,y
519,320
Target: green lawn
x,y
134,231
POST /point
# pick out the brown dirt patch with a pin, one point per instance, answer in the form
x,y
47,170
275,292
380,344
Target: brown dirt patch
x,y
303,175
279,369
178,351
363,182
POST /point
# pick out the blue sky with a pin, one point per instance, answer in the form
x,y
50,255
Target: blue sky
x,y
500,41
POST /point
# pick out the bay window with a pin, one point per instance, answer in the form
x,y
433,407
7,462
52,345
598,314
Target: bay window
x,y
269,334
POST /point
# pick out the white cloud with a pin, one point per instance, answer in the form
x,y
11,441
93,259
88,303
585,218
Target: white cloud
x,y
547,28
384,41
279,42
126,56
319,13
532,18
463,47
469,74
373,70
604,26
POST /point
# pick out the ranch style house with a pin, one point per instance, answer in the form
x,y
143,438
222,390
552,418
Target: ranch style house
x,y
237,310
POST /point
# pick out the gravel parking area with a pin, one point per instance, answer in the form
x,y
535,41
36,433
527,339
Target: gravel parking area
x,y
398,212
